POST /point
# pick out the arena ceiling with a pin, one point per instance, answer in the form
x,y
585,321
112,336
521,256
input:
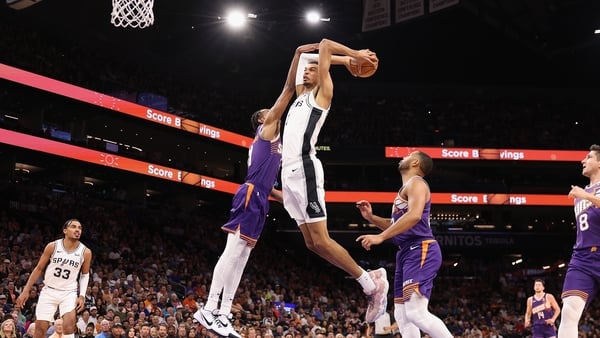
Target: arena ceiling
x,y
547,42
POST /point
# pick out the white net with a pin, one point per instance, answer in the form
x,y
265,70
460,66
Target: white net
x,y
132,13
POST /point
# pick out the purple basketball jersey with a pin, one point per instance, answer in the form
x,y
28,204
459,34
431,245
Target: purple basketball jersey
x,y
419,256
264,159
583,275
541,310
587,216
421,230
251,201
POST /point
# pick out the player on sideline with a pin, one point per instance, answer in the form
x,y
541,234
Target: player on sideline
x,y
66,263
583,275
419,256
302,173
250,207
544,309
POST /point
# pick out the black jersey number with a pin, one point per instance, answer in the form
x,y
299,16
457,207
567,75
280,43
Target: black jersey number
x,y
62,273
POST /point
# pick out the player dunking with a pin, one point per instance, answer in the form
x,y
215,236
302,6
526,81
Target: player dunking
x,y
302,173
583,275
541,312
419,256
250,207
66,263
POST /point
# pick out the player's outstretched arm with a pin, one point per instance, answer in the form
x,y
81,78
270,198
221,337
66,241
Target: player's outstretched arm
x,y
366,211
336,48
36,273
327,49
271,124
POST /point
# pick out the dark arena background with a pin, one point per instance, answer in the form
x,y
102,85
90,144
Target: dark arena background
x,y
143,134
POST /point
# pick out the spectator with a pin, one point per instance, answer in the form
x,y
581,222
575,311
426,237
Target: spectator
x,y
132,333
117,331
20,321
154,331
94,314
5,269
8,329
182,331
105,329
145,330
11,293
83,321
58,329
163,330
6,308
171,331
89,332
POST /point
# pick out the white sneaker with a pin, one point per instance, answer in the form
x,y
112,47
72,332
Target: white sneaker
x,y
205,317
378,299
222,327
379,273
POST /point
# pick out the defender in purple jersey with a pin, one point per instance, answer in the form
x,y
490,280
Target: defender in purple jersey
x,y
541,312
583,275
419,256
249,208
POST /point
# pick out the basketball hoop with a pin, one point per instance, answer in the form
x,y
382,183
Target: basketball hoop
x,y
132,13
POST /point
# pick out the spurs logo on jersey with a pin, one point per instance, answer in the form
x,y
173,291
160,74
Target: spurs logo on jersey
x,y
64,266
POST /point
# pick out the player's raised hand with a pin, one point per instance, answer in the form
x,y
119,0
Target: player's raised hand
x,y
366,211
366,55
311,47
577,192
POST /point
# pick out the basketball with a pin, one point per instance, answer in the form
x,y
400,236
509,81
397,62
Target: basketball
x,y
364,69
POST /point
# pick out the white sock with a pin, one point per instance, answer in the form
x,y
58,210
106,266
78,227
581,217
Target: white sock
x,y
406,328
366,282
569,317
228,273
238,257
417,313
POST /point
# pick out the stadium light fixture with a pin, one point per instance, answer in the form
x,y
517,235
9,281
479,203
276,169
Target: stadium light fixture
x,y
314,17
237,18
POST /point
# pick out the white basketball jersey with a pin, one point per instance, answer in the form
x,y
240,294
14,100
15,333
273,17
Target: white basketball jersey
x,y
302,126
63,269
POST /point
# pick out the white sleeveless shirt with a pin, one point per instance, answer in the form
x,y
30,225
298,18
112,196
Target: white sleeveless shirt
x,y
63,269
302,126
